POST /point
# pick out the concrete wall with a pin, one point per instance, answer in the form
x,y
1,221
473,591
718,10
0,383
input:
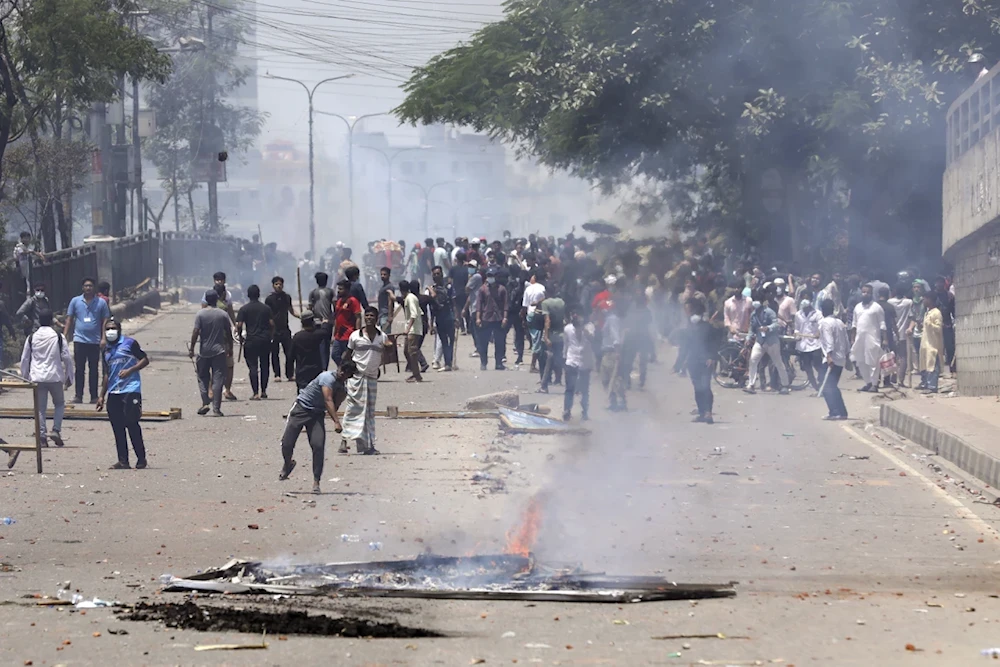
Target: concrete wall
x,y
971,191
977,311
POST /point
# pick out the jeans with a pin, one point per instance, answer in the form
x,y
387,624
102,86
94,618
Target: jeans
x,y
282,341
212,372
55,389
337,350
86,353
701,378
553,363
324,354
930,378
315,427
515,322
256,354
446,337
831,391
124,411
412,353
577,382
491,331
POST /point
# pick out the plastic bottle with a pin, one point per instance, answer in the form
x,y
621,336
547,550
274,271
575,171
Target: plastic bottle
x,y
6,521
350,538
165,579
374,546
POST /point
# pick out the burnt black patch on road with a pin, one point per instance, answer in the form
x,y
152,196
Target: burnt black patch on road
x,y
190,616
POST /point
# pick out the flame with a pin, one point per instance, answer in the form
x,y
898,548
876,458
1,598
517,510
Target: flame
x,y
521,539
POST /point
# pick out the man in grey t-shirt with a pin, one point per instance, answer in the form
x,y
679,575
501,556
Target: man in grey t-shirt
x,y
214,329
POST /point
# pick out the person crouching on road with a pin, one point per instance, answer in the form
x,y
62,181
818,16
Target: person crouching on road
x,y
46,361
321,397
365,348
122,388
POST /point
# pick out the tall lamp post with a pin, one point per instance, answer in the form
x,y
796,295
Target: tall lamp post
x,y
388,162
351,122
312,179
427,195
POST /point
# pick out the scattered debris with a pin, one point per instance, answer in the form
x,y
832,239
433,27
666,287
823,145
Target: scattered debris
x,y
717,635
508,399
519,421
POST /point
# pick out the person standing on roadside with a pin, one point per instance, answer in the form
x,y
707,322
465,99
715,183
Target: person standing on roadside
x,y
122,391
413,329
491,317
319,398
386,299
578,338
46,361
835,346
34,305
213,329
347,317
904,316
86,318
458,276
701,349
256,317
553,310
443,312
280,303
365,349
321,306
932,343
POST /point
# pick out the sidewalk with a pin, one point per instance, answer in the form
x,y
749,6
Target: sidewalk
x,y
962,430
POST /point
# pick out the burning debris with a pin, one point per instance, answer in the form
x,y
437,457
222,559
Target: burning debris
x,y
497,577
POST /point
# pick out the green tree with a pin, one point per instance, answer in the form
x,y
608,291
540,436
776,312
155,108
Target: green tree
x,y
197,97
57,57
846,98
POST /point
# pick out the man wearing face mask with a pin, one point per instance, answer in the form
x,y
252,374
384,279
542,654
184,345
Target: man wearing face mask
x,y
868,325
807,342
491,317
32,307
737,311
765,325
785,305
122,388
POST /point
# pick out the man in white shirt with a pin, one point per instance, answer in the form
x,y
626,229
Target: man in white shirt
x,y
834,345
441,257
869,338
904,316
807,342
534,294
578,339
365,347
47,362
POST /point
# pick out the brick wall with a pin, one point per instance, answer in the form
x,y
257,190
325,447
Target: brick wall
x,y
977,312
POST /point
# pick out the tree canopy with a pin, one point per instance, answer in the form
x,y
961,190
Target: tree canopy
x,y
846,99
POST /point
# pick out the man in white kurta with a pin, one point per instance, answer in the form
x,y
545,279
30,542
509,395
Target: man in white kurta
x,y
869,333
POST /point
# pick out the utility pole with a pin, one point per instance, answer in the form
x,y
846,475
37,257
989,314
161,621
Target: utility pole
x,y
213,182
136,143
312,179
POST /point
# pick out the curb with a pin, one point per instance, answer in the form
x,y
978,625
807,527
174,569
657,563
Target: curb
x,y
947,445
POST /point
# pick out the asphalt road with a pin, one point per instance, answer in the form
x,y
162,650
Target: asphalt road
x,y
839,560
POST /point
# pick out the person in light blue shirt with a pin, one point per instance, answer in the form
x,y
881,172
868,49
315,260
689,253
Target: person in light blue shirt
x,y
765,325
123,359
86,318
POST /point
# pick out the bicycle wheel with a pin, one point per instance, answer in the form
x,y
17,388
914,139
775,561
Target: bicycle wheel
x,y
797,378
729,357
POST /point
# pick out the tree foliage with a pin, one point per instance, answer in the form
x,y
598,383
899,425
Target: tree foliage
x,y
58,57
848,97
198,95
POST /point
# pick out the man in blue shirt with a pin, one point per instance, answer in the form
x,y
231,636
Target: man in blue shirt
x,y
123,359
86,317
765,325
319,398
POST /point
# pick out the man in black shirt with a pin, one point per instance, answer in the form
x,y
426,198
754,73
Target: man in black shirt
x,y
386,300
357,290
321,305
459,275
280,303
256,317
307,346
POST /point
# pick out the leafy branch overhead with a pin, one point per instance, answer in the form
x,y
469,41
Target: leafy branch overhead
x,y
664,90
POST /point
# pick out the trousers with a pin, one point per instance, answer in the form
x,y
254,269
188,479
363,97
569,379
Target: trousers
x,y
577,382
86,354
212,372
315,427
773,351
701,379
446,339
54,389
831,391
256,354
412,354
282,341
553,363
124,411
491,331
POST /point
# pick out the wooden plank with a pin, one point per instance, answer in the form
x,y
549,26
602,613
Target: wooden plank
x,y
89,413
10,447
618,596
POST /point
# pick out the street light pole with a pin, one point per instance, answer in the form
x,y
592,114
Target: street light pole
x,y
350,160
427,196
312,179
388,189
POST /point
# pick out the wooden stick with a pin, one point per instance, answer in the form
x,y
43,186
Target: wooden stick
x,y
298,278
38,429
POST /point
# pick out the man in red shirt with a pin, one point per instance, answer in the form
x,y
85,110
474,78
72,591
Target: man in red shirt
x,y
346,318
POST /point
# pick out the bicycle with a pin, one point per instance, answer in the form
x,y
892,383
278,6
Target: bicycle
x,y
732,369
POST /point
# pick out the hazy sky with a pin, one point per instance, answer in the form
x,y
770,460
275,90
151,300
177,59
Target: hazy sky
x,y
377,40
